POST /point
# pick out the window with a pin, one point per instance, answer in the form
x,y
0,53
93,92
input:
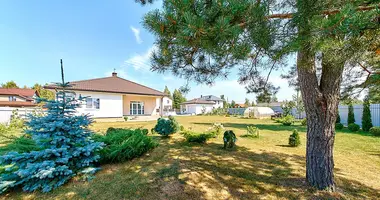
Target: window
x,y
136,108
92,103
12,98
167,101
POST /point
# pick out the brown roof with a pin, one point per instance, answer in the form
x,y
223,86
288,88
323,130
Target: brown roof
x,y
17,104
24,93
111,84
198,101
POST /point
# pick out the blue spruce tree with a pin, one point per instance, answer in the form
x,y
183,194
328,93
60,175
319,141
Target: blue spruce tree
x,y
65,140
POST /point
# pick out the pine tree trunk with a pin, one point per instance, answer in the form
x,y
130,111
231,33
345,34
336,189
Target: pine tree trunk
x,y
321,99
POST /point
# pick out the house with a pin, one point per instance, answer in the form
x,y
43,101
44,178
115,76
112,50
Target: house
x,y
204,104
240,105
115,97
17,97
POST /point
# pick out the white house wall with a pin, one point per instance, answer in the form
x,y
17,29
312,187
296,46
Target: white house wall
x,y
198,108
110,105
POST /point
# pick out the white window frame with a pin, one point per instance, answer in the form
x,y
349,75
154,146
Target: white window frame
x,y
12,98
92,103
136,108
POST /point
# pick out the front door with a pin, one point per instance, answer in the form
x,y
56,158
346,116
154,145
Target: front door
x,y
136,108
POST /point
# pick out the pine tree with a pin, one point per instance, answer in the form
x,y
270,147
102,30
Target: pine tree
x,y
232,104
167,91
351,114
203,40
247,103
366,119
66,147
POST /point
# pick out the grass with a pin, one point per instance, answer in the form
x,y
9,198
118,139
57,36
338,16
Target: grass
x,y
261,168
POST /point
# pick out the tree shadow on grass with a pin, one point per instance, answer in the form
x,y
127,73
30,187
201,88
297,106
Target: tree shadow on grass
x,y
178,170
271,127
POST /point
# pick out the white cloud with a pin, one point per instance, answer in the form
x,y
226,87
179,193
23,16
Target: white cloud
x,y
140,61
136,32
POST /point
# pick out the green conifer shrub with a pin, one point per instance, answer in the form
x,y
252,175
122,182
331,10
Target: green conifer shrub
x,y
124,144
351,115
229,139
166,127
197,137
294,139
366,119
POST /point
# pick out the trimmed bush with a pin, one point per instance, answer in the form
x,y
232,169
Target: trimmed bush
x,y
294,139
375,130
197,137
339,126
216,129
166,127
252,132
229,139
287,120
152,131
353,127
304,122
351,115
124,144
366,119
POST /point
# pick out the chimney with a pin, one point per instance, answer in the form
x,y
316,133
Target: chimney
x,y
114,74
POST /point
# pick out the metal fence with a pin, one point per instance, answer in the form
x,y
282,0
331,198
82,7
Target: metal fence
x,y
343,112
358,111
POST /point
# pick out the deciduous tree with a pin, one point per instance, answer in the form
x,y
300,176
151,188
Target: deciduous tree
x,y
9,84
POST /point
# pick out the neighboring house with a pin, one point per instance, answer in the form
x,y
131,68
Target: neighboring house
x,y
114,97
17,97
204,104
218,102
240,105
167,103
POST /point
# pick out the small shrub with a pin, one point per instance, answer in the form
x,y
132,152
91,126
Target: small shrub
x,y
22,144
166,127
16,121
124,144
353,127
152,131
294,139
125,118
375,130
197,137
227,115
181,128
216,129
229,139
304,122
252,132
339,126
144,131
287,120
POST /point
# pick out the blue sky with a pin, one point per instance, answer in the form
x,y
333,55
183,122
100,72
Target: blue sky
x,y
92,38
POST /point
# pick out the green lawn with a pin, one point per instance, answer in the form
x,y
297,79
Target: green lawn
x,y
264,168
